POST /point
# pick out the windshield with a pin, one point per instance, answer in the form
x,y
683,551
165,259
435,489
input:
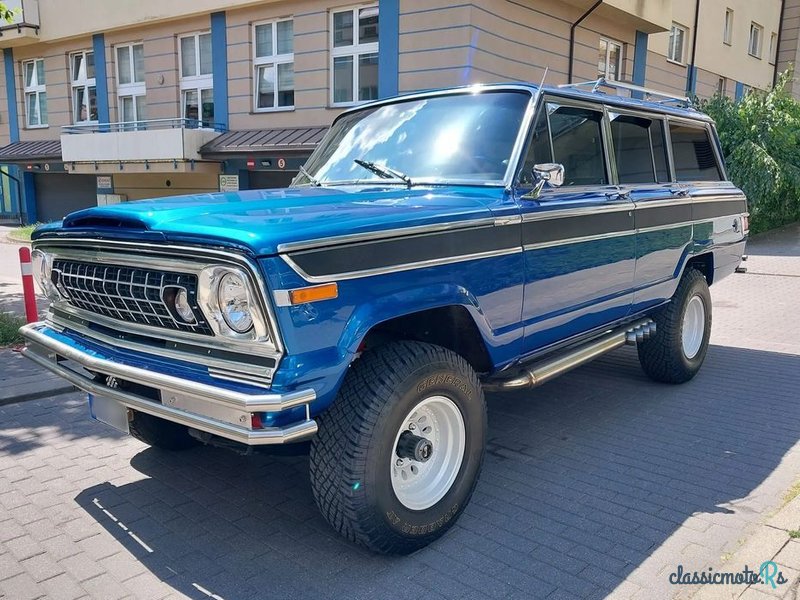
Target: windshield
x,y
465,137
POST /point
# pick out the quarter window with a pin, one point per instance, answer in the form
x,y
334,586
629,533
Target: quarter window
x,y
639,149
570,136
273,61
354,55
197,93
84,90
693,154
131,89
677,43
35,93
609,64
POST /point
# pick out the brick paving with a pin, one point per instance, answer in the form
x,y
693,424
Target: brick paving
x,y
599,483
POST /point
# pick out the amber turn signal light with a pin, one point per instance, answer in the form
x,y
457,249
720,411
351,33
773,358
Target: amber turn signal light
x,y
315,293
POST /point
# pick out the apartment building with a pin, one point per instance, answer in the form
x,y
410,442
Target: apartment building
x,y
115,101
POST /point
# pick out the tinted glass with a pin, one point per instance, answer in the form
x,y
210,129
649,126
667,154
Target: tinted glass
x,y
264,40
343,29
285,37
124,64
693,154
461,137
368,77
138,62
538,148
577,143
639,149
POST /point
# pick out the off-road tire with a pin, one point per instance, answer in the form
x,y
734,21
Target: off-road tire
x,y
662,356
159,433
351,454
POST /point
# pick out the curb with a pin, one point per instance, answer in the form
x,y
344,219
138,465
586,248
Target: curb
x,y
38,394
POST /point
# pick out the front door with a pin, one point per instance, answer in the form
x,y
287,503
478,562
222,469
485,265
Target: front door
x,y
579,239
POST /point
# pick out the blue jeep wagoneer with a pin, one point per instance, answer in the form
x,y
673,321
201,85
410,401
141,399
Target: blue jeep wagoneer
x,y
435,245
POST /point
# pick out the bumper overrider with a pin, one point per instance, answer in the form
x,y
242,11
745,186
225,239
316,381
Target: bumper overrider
x,y
215,410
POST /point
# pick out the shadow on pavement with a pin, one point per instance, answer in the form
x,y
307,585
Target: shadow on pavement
x,y
584,479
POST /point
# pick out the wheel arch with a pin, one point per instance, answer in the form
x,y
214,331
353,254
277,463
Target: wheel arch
x,y
704,263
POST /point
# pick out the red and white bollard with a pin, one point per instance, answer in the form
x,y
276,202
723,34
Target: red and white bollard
x,y
28,291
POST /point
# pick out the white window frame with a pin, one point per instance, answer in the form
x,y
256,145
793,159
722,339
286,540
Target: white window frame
x,y
773,48
355,50
759,39
273,60
197,82
35,89
85,82
621,46
134,89
727,32
672,47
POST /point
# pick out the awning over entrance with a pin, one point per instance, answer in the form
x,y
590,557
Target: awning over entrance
x,y
21,152
260,142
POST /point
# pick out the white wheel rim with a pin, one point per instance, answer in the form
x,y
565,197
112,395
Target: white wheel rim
x,y
694,325
420,485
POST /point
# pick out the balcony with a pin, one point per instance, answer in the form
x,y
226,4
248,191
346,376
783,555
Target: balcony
x,y
24,26
651,16
157,146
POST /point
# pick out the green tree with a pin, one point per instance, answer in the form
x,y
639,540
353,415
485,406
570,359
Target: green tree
x,y
760,137
6,14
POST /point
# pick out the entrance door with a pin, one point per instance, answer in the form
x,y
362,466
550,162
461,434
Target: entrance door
x,y
58,194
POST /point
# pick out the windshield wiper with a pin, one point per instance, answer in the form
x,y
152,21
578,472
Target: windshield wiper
x,y
384,171
313,180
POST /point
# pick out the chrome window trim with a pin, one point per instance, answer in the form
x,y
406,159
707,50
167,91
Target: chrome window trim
x,y
174,256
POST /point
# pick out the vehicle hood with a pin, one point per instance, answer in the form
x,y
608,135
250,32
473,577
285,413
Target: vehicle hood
x,y
261,220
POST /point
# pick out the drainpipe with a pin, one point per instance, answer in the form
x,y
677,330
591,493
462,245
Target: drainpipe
x,y
572,29
691,83
778,44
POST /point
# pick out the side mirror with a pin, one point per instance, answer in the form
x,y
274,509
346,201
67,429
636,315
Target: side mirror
x,y
552,173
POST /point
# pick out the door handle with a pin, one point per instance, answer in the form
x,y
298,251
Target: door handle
x,y
622,195
680,192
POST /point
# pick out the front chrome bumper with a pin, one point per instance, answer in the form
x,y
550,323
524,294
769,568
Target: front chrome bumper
x,y
212,407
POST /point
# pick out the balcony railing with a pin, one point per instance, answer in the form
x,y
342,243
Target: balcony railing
x,y
137,141
148,125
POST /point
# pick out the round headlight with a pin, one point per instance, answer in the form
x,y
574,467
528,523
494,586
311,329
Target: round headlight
x,y
42,272
182,306
234,303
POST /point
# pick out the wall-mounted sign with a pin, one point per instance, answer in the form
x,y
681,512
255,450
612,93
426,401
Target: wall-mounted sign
x,y
228,183
281,163
105,184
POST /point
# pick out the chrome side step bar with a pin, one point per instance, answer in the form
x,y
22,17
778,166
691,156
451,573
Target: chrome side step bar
x,y
538,374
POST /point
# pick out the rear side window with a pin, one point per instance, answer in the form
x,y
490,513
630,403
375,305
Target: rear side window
x,y
693,154
639,149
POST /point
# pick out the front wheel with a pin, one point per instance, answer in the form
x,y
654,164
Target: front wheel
x,y
398,454
683,328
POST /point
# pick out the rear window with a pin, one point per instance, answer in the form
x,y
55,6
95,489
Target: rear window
x,y
693,154
639,149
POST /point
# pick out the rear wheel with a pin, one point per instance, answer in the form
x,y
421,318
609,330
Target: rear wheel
x,y
683,328
397,456
159,433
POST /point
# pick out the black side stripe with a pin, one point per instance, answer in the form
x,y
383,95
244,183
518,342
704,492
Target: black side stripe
x,y
382,254
574,226
720,208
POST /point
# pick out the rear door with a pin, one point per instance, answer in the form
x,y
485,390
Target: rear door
x,y
578,238
663,208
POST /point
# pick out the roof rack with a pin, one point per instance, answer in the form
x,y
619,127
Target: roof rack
x,y
647,93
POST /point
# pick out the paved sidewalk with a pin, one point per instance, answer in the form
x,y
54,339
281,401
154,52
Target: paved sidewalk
x,y
598,484
21,379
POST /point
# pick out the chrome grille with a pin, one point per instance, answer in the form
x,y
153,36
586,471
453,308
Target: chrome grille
x,y
129,294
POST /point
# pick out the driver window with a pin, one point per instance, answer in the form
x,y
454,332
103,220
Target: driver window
x,y
571,136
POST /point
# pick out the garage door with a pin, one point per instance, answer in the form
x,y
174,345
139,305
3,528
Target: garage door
x,y
260,180
58,194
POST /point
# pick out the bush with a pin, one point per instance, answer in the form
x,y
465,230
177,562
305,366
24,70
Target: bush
x,y
760,136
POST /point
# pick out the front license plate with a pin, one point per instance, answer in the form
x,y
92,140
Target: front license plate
x,y
109,411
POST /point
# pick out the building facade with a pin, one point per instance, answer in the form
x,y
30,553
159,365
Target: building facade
x,y
117,101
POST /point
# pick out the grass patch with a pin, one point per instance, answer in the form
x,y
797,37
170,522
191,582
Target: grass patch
x,y
793,533
23,234
791,493
9,329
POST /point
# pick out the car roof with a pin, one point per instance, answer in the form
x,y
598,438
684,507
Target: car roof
x,y
575,93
